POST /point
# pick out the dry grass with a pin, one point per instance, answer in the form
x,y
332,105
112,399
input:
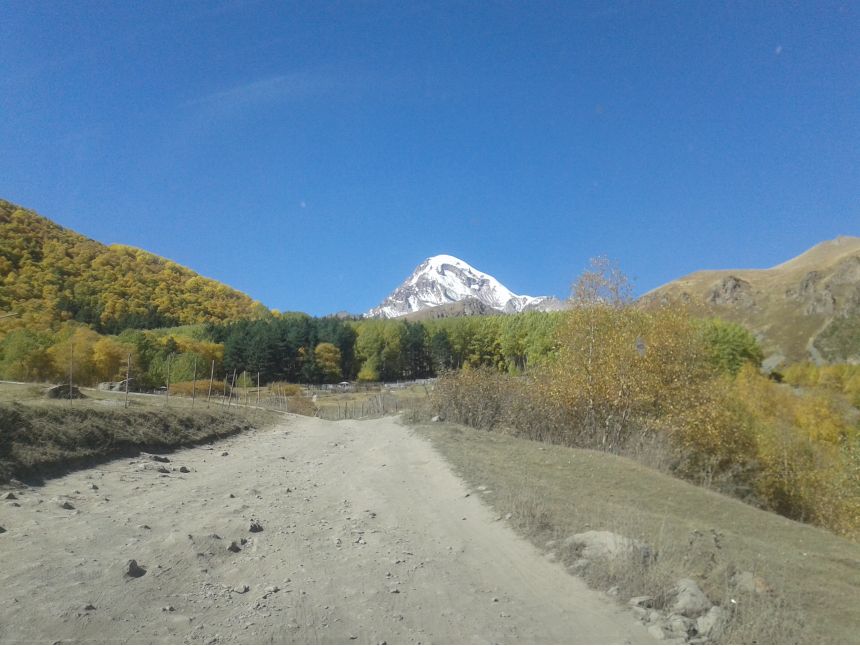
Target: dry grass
x,y
43,438
553,492
375,402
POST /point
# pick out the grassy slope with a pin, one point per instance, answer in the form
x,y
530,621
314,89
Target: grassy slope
x,y
781,320
556,491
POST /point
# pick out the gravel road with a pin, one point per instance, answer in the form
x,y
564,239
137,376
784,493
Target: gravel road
x,y
364,535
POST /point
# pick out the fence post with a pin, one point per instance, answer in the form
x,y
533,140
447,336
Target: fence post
x,y
194,384
71,364
167,391
127,375
211,377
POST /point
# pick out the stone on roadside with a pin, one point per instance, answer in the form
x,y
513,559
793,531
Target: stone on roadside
x,y
234,547
711,625
94,487
2,530
242,588
184,470
678,626
10,496
159,458
656,631
579,566
272,589
224,454
67,505
595,544
641,602
689,600
89,606
750,583
639,613
134,570
255,526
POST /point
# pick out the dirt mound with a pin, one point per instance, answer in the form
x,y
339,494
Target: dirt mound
x,y
62,392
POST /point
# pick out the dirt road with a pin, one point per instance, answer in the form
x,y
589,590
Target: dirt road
x,y
366,536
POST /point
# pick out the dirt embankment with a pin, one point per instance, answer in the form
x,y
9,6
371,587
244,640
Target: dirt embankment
x,y
362,534
47,438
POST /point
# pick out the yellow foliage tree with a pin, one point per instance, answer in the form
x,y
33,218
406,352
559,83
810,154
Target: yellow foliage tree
x,y
327,356
74,351
108,357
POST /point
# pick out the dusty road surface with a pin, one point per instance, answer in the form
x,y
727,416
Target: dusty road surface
x,y
366,537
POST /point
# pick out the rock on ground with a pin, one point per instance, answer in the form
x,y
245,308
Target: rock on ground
x,y
711,625
597,544
688,599
750,583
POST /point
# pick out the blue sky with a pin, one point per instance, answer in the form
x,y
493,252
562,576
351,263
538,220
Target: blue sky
x,y
311,154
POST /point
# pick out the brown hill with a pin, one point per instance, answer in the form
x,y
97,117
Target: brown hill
x,y
805,308
49,274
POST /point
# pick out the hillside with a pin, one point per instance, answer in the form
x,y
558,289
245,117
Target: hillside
x,y
805,308
52,274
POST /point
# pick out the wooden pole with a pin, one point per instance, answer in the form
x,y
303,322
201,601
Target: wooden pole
x,y
167,391
211,378
127,376
224,392
71,364
258,388
232,387
194,384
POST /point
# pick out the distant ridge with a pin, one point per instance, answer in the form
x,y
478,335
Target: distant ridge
x,y
806,308
444,280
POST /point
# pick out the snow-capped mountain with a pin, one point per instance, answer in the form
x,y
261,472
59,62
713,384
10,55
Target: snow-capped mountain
x,y
445,279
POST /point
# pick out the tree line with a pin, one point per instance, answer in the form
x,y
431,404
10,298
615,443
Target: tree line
x,y
298,348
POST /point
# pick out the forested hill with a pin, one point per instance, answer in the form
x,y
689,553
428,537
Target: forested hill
x,y
49,274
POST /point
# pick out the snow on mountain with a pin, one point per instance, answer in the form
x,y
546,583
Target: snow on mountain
x,y
445,279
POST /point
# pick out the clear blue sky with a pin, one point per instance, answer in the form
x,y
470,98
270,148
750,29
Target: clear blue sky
x,y
311,154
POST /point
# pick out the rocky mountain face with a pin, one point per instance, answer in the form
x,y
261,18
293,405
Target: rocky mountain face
x,y
443,280
807,308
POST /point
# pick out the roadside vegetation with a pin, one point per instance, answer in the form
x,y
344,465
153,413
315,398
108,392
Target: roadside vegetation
x,y
681,395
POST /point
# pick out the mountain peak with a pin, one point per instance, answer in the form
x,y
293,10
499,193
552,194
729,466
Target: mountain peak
x,y
444,279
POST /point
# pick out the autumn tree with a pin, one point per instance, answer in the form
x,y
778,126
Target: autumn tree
x,y
328,361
